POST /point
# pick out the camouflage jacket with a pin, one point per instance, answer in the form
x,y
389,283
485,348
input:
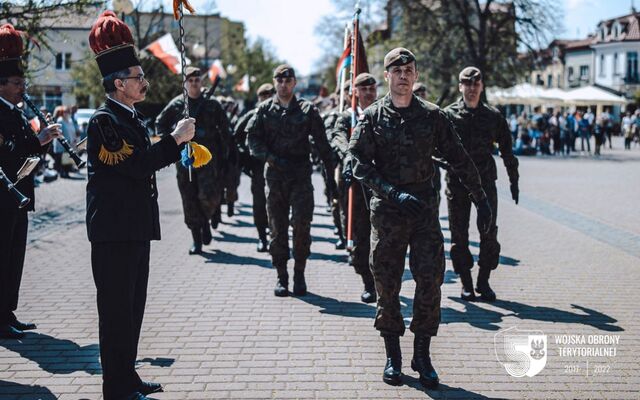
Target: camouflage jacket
x,y
391,148
479,129
283,133
339,135
212,125
240,130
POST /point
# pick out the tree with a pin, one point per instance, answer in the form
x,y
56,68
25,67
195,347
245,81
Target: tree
x,y
450,35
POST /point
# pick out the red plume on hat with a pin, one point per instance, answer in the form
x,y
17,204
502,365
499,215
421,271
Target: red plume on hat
x,y
11,47
110,39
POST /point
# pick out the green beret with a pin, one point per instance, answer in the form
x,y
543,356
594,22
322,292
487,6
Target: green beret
x,y
284,71
470,74
365,79
264,89
398,56
192,71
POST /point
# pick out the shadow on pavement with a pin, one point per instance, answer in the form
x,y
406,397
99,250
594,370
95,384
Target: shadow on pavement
x,y
331,306
56,356
337,258
588,316
443,392
12,390
162,362
222,257
230,237
481,318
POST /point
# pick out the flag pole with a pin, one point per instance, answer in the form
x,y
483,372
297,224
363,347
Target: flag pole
x,y
343,76
354,113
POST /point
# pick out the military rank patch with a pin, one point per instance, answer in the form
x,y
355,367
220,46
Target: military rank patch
x,y
113,149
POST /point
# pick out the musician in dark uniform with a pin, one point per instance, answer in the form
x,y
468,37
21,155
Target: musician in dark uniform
x,y
17,141
122,206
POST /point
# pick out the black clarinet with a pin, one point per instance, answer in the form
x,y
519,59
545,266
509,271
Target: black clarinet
x,y
47,121
20,198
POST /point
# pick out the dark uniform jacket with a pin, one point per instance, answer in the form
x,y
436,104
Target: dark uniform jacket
x,y
392,148
18,141
212,125
122,197
283,133
479,129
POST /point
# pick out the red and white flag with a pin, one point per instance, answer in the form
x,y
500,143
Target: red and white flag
x,y
243,84
164,48
217,71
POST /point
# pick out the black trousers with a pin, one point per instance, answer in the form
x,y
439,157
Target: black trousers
x,y
13,243
121,273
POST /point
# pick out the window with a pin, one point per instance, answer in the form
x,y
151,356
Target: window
x,y
632,67
549,80
63,61
615,64
602,65
52,100
584,72
570,73
539,80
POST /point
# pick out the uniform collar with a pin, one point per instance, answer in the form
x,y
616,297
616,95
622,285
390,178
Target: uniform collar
x,y
11,106
122,107
393,110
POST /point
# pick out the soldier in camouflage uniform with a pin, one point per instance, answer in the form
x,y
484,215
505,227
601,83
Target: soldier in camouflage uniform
x,y
255,169
391,149
479,126
279,135
366,92
420,90
202,195
232,169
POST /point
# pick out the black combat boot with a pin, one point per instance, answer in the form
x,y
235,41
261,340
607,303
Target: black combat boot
x,y
196,248
230,211
392,374
299,284
206,234
486,293
263,243
216,219
340,243
467,293
421,362
369,294
282,285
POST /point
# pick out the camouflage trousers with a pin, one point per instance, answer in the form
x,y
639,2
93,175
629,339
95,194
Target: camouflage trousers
x,y
231,182
201,197
293,195
392,233
459,204
259,198
361,230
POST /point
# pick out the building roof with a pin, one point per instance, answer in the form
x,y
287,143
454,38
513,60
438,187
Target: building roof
x,y
620,29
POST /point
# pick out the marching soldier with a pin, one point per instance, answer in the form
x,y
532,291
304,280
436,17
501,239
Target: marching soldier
x,y
202,195
365,89
122,206
17,142
255,169
420,90
279,135
232,169
391,149
479,126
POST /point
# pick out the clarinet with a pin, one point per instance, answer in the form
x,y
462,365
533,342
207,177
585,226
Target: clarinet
x,y
20,198
47,121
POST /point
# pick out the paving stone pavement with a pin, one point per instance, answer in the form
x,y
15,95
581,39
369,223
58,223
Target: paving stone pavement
x,y
214,330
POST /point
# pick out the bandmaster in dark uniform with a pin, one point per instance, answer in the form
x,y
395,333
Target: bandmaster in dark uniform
x,y
17,142
122,204
279,135
479,126
391,149
202,195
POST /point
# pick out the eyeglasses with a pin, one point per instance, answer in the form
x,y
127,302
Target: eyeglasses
x,y
21,83
139,78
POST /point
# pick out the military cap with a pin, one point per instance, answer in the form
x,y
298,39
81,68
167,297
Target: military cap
x,y
365,79
284,71
264,89
470,74
419,87
398,56
192,71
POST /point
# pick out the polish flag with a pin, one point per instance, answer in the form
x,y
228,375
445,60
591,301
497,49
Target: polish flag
x,y
164,48
243,84
217,71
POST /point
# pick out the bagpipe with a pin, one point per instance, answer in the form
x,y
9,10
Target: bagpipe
x,y
10,186
46,120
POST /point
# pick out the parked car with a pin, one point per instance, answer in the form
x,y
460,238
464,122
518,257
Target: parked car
x,y
82,117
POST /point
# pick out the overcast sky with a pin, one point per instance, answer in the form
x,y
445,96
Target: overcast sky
x,y
289,25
